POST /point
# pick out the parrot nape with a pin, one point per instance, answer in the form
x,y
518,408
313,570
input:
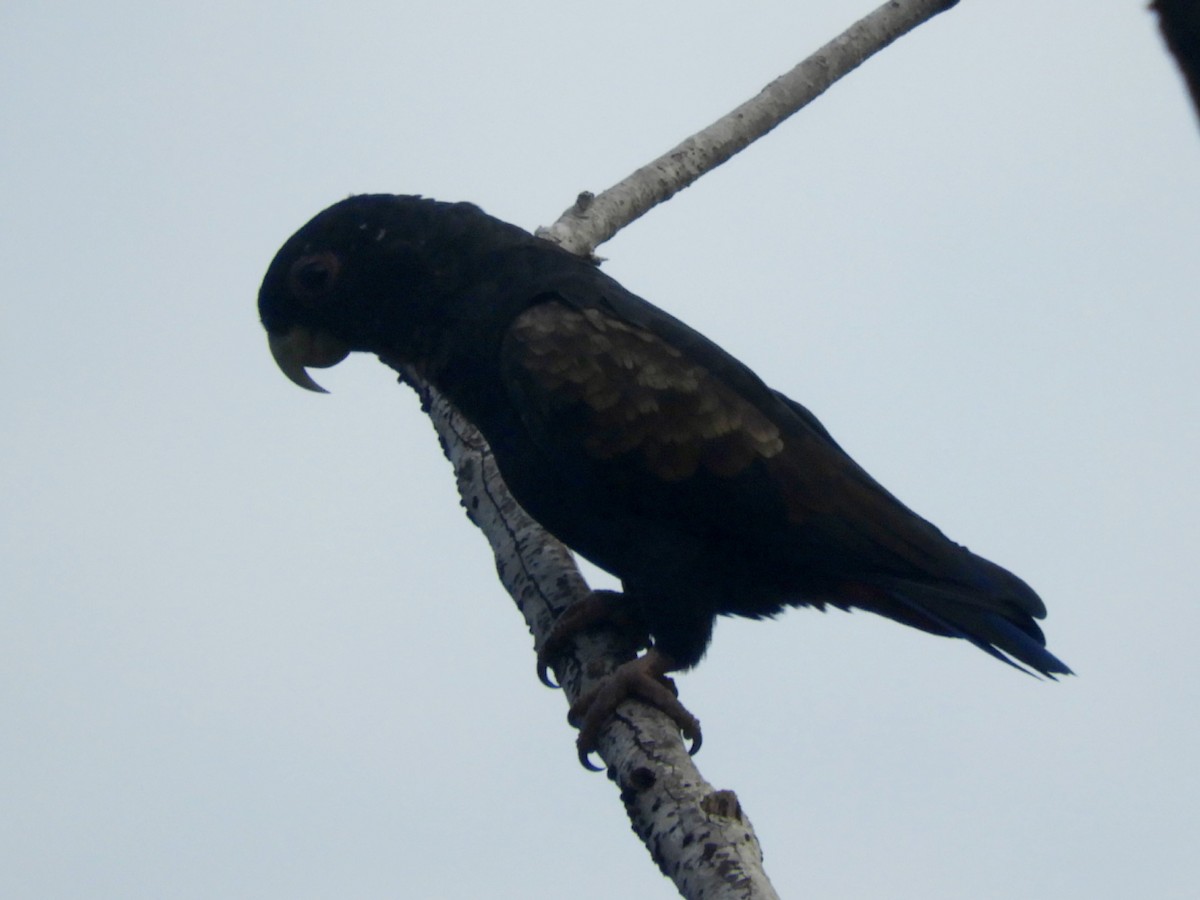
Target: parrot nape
x,y
636,441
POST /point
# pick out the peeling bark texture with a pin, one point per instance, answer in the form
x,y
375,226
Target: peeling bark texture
x,y
593,219
699,837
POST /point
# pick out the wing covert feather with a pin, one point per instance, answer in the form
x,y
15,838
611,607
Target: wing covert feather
x,y
622,391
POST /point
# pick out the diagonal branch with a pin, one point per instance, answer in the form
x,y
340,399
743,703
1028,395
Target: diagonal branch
x,y
592,220
698,836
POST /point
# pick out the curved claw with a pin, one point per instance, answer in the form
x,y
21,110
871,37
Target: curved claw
x,y
640,679
584,761
596,609
543,670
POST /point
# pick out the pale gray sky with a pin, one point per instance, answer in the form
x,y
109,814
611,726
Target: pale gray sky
x,y
251,648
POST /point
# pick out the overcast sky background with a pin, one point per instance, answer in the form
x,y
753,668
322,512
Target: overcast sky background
x,y
250,647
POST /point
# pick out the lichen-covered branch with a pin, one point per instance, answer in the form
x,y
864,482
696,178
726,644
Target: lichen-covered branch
x,y
698,836
592,220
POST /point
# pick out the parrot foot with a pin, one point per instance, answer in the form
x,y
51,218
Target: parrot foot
x,y
599,608
642,679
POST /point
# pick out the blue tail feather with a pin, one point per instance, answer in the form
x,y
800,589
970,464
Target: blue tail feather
x,y
998,637
1011,636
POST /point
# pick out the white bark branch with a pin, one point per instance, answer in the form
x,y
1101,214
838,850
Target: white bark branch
x,y
698,836
592,220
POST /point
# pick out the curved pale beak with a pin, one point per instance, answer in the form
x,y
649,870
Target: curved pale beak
x,y
300,348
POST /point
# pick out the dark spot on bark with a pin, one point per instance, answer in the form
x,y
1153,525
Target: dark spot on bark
x,y
642,779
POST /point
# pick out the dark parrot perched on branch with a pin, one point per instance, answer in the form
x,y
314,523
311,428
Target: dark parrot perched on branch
x,y
639,443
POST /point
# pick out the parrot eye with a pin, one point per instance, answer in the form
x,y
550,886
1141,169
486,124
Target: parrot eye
x,y
313,276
